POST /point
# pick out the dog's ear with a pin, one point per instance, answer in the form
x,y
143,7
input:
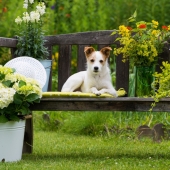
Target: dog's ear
x,y
106,51
88,50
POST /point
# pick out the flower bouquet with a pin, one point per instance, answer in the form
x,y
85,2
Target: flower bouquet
x,y
141,43
17,93
30,34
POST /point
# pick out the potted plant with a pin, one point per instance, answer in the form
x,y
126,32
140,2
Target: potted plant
x,y
17,93
141,43
31,36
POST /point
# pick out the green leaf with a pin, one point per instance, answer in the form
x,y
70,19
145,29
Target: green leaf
x,y
25,110
32,97
117,39
113,33
134,14
18,99
133,17
131,20
14,117
7,83
2,76
3,119
22,83
37,101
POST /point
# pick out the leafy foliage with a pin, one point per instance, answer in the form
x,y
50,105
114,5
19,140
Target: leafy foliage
x,y
161,83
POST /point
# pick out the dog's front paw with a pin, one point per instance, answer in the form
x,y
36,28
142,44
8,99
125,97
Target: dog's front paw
x,y
97,93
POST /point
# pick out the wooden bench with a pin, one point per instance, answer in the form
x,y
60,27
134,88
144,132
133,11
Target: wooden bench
x,y
65,43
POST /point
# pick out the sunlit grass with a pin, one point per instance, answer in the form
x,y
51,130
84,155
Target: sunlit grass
x,y
60,151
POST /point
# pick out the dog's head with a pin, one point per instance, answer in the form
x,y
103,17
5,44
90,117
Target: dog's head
x,y
96,60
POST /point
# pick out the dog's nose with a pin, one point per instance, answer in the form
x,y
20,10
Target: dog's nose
x,y
96,68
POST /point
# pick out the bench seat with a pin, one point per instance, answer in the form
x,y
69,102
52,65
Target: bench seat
x,y
101,104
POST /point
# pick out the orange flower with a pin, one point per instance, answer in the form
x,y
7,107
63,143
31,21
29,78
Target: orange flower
x,y
129,28
68,15
164,27
61,8
4,9
142,26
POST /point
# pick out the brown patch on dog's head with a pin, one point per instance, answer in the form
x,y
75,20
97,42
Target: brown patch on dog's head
x,y
88,51
106,51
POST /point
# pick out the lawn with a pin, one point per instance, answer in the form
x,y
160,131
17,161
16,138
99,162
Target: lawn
x,y
61,151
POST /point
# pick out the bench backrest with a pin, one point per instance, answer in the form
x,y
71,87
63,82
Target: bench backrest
x,y
82,39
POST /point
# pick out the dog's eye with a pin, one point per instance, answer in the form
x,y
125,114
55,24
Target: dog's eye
x,y
92,60
101,61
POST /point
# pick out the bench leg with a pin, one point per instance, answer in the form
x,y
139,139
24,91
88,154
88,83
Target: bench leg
x,y
28,136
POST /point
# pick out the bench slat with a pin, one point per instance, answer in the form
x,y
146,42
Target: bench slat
x,y
8,42
122,74
81,58
64,64
92,37
102,104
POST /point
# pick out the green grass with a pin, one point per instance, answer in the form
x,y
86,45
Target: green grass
x,y
61,151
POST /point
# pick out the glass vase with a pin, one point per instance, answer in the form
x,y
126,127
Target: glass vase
x,y
144,79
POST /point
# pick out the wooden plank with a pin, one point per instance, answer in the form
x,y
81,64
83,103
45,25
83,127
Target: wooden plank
x,y
101,104
81,58
28,137
100,46
92,37
122,74
8,42
164,56
64,64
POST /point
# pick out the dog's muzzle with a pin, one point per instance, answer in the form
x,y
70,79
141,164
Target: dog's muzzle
x,y
96,69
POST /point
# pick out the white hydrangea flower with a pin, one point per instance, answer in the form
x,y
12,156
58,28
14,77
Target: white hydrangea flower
x,y
20,76
5,70
18,20
32,81
6,97
26,1
36,86
34,16
26,17
15,77
38,90
32,85
28,89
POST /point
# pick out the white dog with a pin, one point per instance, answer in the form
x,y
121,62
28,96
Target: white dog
x,y
96,79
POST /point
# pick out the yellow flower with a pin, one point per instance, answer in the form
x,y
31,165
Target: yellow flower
x,y
168,27
56,55
155,23
54,66
123,31
155,32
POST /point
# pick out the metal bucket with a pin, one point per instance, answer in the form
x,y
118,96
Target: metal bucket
x,y
47,66
11,140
